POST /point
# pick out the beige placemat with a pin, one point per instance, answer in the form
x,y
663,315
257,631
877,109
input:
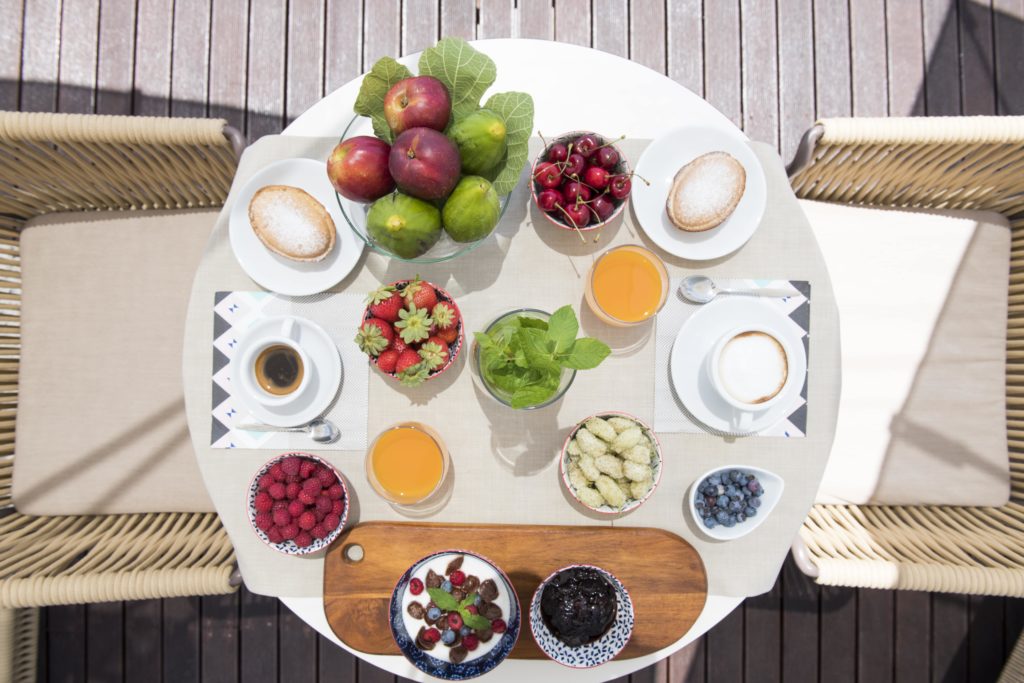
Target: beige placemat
x,y
505,462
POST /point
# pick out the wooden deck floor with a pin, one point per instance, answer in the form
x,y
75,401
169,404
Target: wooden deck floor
x,y
772,66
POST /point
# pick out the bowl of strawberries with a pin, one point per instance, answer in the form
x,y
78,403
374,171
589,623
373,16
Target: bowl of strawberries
x,y
298,503
411,330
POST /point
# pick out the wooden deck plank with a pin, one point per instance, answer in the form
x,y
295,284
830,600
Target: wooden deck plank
x,y
977,67
219,639
762,637
181,639
646,34
143,655
942,49
832,86
420,25
10,53
1013,622
458,18
229,40
870,77
154,26
495,19
875,635
796,73
722,71
611,27
368,673
78,44
104,642
344,42
265,83
655,673
536,19
572,22
40,55
837,634
381,31
984,638
905,54
686,44
258,638
65,644
297,643
116,59
1008,39
760,71
724,649
190,63
334,663
304,65
949,637
799,607
687,665
913,636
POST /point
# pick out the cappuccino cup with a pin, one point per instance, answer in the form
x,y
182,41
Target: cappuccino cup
x,y
749,367
275,370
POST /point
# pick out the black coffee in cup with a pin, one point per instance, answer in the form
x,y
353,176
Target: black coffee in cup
x,y
278,370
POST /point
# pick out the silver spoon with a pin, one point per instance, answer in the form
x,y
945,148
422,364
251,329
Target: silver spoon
x,y
320,430
701,290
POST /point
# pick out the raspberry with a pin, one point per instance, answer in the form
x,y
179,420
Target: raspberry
x,y
498,626
472,609
264,521
292,479
454,621
306,468
326,477
291,465
279,505
335,492
307,520
276,473
296,508
303,539
292,490
470,642
431,635
276,490
319,515
324,504
337,507
415,586
274,535
331,521
457,577
263,502
319,531
282,517
306,498
289,531
265,481
312,487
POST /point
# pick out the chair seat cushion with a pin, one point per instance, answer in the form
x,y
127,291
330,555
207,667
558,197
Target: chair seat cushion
x,y
922,298
101,417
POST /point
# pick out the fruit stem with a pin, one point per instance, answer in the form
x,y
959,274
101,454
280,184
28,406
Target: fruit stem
x,y
634,173
572,223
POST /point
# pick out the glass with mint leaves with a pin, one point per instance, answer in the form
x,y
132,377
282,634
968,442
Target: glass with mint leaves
x,y
527,358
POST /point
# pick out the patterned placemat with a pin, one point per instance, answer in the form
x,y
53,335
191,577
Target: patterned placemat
x,y
339,315
669,413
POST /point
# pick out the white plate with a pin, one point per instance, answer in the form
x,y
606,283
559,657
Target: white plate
x,y
696,339
324,381
770,482
659,164
279,274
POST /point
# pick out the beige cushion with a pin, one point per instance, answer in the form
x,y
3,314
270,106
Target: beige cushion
x,y
101,421
922,300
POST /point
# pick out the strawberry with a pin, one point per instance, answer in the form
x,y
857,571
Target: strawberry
x,y
420,294
385,303
375,336
387,360
399,345
445,316
450,336
414,325
406,360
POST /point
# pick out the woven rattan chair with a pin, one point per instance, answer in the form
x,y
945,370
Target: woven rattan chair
x,y
61,163
925,163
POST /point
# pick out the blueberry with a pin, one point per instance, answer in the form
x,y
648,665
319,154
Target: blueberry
x,y
731,490
734,475
699,504
735,506
723,501
434,613
465,631
740,517
754,503
710,522
752,486
747,478
722,516
715,479
735,497
446,586
711,501
478,600
448,637
750,512
729,522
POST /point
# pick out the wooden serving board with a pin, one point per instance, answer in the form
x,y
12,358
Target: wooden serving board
x,y
663,574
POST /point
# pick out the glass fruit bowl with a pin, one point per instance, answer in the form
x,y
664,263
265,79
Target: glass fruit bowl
x,y
355,215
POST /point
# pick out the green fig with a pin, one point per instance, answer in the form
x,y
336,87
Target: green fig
x,y
472,210
404,225
480,138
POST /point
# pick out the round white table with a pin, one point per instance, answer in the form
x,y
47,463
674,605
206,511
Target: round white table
x,y
535,66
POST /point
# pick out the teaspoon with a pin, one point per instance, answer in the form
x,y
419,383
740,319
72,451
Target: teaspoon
x,y
699,289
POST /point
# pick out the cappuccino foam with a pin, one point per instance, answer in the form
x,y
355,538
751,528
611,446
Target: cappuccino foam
x,y
753,367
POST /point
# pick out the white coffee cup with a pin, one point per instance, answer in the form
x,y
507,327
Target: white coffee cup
x,y
749,367
287,336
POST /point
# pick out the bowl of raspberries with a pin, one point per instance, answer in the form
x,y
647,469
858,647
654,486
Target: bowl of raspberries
x,y
411,330
298,503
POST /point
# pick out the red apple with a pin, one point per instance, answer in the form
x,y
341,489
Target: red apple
x,y
420,101
358,169
424,163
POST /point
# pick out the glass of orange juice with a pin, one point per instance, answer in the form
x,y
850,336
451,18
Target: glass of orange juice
x,y
407,464
628,285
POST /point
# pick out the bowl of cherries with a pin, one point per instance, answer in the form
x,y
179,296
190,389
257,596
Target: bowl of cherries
x,y
581,181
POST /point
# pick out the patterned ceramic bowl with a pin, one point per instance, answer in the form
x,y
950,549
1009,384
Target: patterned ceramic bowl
x,y
439,660
602,650
631,503
288,547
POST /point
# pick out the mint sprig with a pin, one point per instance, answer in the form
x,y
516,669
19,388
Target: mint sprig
x,y
474,621
443,600
446,602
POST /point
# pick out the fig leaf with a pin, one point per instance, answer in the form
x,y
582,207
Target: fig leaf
x,y
516,108
466,72
370,101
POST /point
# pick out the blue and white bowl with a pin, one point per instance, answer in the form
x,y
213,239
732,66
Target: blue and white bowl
x,y
602,650
490,655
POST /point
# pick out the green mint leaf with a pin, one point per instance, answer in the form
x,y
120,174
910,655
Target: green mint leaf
x,y
466,73
443,600
586,353
563,328
467,601
516,108
474,621
370,101
533,323
536,345
486,342
531,395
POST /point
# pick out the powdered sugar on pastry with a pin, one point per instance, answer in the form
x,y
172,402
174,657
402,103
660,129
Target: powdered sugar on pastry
x,y
291,223
706,191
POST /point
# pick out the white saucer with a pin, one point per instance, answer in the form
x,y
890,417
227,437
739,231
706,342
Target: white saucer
x,y
659,164
276,273
697,337
324,380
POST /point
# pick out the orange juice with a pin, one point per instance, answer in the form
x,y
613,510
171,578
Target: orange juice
x,y
628,285
405,464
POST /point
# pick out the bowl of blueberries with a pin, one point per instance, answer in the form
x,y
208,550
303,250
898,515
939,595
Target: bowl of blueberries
x,y
730,502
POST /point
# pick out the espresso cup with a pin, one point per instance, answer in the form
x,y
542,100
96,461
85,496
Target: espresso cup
x,y
259,382
749,367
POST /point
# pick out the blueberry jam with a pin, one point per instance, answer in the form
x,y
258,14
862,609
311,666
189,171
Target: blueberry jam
x,y
578,605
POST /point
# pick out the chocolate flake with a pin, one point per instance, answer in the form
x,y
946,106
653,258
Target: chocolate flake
x,y
484,634
416,610
470,584
454,565
433,580
420,642
458,654
488,590
488,610
458,594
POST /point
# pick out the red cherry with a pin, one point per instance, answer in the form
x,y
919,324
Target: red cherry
x,y
550,199
602,208
498,626
606,157
577,215
596,177
620,185
415,586
557,152
586,144
573,165
548,175
573,189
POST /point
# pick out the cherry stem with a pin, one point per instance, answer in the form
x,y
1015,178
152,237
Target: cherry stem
x,y
572,223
